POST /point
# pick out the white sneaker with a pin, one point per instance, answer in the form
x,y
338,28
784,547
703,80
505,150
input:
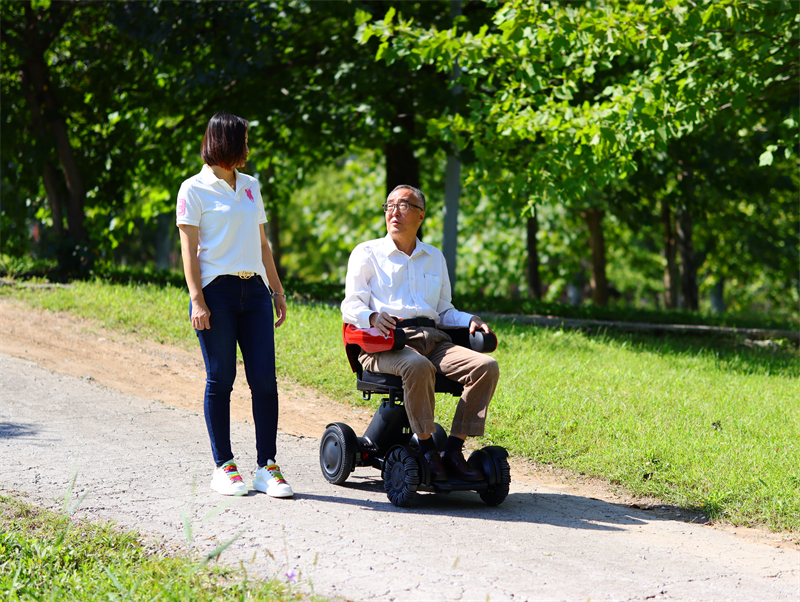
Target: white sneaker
x,y
227,480
269,480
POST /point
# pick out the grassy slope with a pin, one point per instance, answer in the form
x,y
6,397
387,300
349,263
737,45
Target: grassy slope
x,y
710,425
44,556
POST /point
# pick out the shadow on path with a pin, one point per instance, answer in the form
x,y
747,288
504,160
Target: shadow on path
x,y
11,430
556,509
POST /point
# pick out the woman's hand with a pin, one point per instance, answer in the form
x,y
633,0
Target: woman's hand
x,y
201,315
279,301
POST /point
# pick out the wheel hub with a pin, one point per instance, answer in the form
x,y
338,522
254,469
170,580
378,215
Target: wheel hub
x,y
398,476
332,455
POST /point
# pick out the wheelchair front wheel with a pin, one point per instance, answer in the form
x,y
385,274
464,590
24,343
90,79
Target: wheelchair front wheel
x,y
400,477
496,494
336,456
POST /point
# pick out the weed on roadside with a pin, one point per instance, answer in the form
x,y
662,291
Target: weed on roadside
x,y
47,556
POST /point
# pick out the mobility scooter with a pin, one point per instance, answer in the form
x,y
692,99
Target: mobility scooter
x,y
388,443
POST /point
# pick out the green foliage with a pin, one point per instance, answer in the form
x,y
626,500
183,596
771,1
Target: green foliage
x,y
562,106
587,85
13,266
619,106
323,221
45,556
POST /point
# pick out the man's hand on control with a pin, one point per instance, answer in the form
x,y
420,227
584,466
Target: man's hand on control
x,y
383,322
477,324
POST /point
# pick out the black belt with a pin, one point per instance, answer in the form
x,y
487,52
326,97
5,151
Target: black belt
x,y
238,277
416,322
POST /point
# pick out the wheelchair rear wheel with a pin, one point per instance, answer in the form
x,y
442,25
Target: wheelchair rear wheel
x,y
336,456
400,477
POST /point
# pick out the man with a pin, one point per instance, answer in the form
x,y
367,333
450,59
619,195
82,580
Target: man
x,y
400,282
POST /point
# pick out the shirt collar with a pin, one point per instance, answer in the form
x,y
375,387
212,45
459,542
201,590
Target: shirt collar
x,y
389,246
207,176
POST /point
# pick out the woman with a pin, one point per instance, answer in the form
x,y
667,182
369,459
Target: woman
x,y
228,265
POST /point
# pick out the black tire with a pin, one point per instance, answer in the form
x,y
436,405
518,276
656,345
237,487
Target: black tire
x,y
336,458
497,493
400,477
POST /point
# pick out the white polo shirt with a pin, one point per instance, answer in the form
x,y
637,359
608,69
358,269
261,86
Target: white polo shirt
x,y
229,223
380,277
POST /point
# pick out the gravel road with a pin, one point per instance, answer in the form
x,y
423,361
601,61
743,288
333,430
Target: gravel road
x,y
143,463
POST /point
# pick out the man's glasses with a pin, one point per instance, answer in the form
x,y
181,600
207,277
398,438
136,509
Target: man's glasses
x,y
402,206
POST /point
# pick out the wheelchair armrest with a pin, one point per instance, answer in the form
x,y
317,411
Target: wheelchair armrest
x,y
478,341
369,340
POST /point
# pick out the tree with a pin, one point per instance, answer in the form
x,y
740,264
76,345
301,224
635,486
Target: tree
x,y
532,81
297,71
74,97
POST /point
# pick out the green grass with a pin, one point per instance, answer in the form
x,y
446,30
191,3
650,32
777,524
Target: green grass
x,y
708,425
46,556
330,291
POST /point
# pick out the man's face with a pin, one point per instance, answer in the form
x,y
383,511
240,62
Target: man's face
x,y
404,224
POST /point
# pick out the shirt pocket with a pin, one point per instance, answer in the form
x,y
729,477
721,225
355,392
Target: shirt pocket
x,y
432,289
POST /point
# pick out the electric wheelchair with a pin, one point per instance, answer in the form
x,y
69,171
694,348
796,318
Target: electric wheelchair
x,y
388,443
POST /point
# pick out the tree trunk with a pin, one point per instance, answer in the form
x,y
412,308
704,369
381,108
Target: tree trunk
x,y
50,178
670,254
38,76
683,230
49,173
163,246
402,166
452,190
273,225
452,181
534,279
599,283
718,296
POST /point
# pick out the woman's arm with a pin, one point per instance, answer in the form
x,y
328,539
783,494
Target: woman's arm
x,y
201,316
279,300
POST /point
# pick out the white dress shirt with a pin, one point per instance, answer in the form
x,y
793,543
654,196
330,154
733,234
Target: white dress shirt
x,y
381,278
228,223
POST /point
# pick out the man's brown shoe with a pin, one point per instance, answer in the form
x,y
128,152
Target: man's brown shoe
x,y
438,473
457,467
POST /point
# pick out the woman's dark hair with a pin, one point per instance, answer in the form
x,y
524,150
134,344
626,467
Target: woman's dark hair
x,y
225,140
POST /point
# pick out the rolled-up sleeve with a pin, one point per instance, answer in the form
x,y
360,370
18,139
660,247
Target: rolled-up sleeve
x,y
356,307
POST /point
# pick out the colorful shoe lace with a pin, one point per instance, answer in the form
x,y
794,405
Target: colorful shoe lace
x,y
227,480
269,480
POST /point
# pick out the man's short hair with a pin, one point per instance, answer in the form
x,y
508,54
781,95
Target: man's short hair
x,y
417,193
225,140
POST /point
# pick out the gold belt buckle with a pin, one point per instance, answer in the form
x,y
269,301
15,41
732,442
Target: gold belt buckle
x,y
246,275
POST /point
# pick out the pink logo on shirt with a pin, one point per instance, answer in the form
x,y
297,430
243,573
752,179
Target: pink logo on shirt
x,y
181,206
249,195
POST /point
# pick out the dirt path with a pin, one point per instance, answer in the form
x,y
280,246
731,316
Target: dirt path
x,y
119,410
82,348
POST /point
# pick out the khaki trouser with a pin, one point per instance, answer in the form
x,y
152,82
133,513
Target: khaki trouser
x,y
428,351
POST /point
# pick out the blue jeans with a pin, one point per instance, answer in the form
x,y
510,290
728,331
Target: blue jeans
x,y
241,311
